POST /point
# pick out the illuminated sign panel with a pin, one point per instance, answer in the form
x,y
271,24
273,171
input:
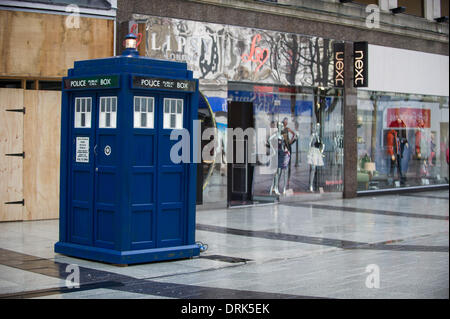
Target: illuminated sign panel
x,y
339,64
360,64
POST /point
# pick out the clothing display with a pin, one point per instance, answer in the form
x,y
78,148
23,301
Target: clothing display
x,y
422,151
284,155
395,150
339,149
315,157
423,140
315,153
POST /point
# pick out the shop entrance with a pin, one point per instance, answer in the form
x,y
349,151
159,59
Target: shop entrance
x,y
240,170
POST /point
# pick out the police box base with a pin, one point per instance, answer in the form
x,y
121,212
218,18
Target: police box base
x,y
127,257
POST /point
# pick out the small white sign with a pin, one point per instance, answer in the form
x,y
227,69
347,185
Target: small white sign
x,y
82,150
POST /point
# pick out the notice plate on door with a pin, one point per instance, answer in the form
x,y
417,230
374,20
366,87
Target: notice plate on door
x,y
82,150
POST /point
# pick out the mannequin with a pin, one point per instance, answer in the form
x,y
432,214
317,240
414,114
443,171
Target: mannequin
x,y
339,146
423,141
284,157
396,143
315,154
277,135
286,131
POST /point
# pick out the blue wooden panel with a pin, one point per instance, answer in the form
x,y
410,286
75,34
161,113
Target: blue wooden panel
x,y
142,188
105,187
171,224
142,229
105,228
81,231
81,181
144,148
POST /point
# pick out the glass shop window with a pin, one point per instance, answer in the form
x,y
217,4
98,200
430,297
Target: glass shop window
x,y
173,113
83,112
108,112
144,112
403,140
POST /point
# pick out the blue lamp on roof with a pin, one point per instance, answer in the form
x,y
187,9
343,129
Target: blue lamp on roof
x,y
130,44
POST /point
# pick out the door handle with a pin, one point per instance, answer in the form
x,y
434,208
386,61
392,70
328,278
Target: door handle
x,y
95,150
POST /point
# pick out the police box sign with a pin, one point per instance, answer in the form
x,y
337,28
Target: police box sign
x,y
143,82
94,82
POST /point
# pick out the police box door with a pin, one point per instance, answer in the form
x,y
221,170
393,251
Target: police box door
x,y
171,178
93,169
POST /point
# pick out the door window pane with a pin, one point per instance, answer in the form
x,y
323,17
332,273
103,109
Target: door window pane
x,y
143,112
82,112
108,112
173,113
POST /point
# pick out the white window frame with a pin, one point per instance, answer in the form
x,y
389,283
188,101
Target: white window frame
x,y
173,109
109,109
83,109
149,115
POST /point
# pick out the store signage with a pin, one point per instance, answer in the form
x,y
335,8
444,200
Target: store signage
x,y
256,54
143,82
339,64
95,82
360,64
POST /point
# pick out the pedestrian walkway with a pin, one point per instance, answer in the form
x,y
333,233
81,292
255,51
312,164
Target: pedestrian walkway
x,y
391,246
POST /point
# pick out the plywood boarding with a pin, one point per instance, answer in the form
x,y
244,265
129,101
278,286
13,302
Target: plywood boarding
x,y
11,141
42,125
42,45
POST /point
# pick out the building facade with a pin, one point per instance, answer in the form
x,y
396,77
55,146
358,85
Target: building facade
x,y
319,118
286,70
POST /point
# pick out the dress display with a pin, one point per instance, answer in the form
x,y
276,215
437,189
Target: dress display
x,y
315,154
284,157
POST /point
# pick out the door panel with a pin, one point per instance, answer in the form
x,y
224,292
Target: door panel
x,y
106,159
171,176
83,114
142,178
11,167
42,129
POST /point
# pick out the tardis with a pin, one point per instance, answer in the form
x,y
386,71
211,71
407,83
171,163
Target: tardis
x,y
123,199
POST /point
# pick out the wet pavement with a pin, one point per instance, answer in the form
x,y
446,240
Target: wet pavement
x,y
389,246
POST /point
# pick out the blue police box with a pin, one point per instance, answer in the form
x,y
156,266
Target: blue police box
x,y
122,199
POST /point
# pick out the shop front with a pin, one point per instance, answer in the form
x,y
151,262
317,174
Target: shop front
x,y
281,90
402,119
278,88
